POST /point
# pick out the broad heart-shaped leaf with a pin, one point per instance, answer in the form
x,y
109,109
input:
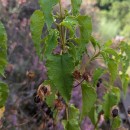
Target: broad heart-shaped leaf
x,y
36,26
113,69
110,99
51,42
3,49
73,119
60,68
46,7
88,99
70,22
85,25
76,6
3,93
116,122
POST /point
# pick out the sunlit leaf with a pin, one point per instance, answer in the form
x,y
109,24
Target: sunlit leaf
x,y
2,111
113,69
116,122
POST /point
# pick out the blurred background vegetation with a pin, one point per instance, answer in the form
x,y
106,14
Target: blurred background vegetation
x,y
114,18
111,20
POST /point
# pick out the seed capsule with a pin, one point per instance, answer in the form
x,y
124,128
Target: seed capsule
x,y
128,111
37,99
114,112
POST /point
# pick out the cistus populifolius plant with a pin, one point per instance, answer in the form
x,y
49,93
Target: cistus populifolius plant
x,y
62,39
3,62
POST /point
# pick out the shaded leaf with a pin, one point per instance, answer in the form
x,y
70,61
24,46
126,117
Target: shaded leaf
x,y
60,68
88,99
97,73
36,26
3,49
73,118
110,99
72,51
70,22
85,25
3,93
51,42
46,7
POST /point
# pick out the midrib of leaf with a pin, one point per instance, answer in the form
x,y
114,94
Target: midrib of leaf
x,y
62,66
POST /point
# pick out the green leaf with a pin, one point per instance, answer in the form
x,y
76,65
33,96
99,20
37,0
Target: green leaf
x,y
3,49
116,122
72,51
110,99
46,7
60,68
36,26
73,119
85,25
76,6
93,115
125,83
51,42
97,74
113,69
88,99
94,42
70,22
108,44
3,93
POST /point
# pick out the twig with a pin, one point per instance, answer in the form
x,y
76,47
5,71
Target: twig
x,y
79,83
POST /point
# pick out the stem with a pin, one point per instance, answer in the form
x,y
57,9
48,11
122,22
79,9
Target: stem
x,y
61,28
67,114
60,8
95,56
79,83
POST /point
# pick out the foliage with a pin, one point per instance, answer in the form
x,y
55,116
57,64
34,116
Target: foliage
x,y
64,65
114,18
3,62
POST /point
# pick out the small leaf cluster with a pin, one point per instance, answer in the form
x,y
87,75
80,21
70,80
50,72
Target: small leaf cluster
x,y
64,46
